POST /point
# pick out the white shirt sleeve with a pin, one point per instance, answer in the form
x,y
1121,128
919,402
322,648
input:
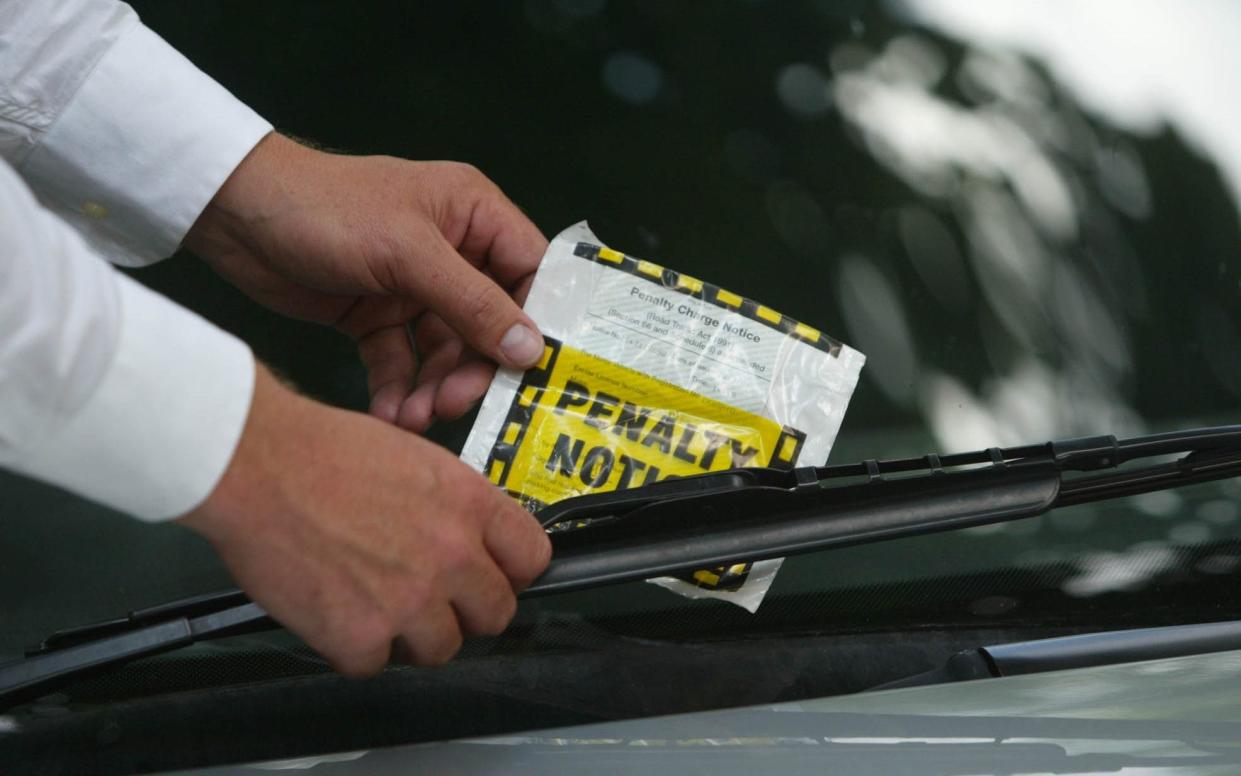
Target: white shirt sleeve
x,y
115,131
106,388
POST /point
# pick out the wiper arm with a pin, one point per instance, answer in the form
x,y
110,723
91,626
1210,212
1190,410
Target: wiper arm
x,y
1083,651
720,518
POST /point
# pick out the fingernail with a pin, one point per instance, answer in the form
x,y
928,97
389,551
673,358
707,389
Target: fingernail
x,y
521,345
385,408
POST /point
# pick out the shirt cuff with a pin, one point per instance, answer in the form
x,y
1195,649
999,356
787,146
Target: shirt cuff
x,y
160,429
141,149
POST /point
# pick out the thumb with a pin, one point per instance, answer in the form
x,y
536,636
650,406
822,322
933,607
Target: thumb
x,y
478,309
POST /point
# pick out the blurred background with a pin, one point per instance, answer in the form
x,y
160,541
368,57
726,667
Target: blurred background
x,y
1024,214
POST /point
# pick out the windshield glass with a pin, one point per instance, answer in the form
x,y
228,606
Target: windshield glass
x,y
1027,220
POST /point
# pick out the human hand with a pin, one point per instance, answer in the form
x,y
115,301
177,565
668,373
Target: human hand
x,y
354,534
369,244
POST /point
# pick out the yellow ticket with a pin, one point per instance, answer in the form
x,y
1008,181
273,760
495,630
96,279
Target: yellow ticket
x,y
651,373
581,424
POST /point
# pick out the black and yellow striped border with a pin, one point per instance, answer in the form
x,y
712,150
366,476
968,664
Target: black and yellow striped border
x,y
709,293
517,421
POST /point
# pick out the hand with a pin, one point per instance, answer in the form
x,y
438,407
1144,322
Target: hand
x,y
353,534
369,244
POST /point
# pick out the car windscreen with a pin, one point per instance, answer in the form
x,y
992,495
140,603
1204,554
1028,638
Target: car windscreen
x,y
1025,218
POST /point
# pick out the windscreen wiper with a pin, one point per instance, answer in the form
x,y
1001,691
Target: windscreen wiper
x,y
713,519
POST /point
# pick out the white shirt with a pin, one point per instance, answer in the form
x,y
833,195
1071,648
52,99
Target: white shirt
x,y
113,144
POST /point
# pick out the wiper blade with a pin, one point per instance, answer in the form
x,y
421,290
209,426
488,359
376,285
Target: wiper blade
x,y
1085,454
720,518
754,514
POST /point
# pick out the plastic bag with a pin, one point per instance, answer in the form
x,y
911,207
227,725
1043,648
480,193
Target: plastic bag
x,y
648,373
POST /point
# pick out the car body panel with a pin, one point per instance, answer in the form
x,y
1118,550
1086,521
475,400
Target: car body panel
x,y
1179,715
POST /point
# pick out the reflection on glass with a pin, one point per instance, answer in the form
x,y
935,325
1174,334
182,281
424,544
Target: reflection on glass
x,y
802,89
1140,63
632,77
998,167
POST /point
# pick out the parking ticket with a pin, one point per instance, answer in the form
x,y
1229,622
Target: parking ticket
x,y
647,374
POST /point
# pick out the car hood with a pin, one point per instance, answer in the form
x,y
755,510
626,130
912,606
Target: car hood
x,y
1179,715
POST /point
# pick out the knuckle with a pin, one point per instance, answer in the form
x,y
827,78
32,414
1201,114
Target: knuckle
x,y
535,555
447,649
438,650
475,500
499,615
388,260
357,666
445,478
364,650
418,596
541,549
370,633
457,556
486,303
459,175
468,172
542,553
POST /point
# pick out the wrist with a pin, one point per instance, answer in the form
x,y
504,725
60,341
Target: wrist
x,y
253,194
250,484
